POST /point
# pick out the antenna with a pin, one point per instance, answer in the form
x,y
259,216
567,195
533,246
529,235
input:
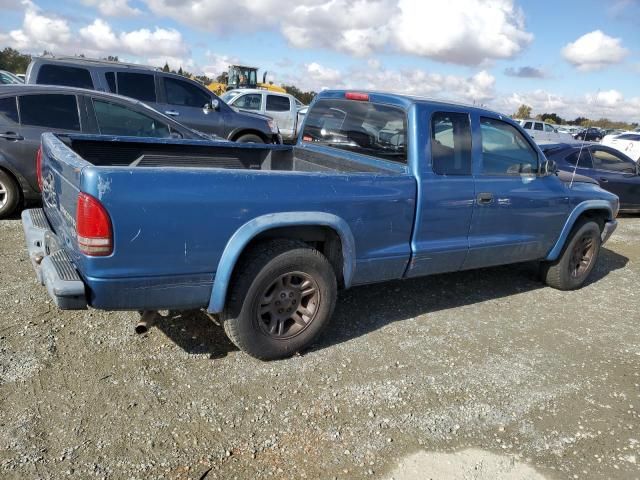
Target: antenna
x,y
584,139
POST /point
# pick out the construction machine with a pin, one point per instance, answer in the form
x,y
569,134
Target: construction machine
x,y
241,76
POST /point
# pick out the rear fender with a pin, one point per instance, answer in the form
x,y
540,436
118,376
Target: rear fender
x,y
243,236
582,207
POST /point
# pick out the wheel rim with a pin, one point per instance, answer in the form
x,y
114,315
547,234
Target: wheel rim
x,y
582,256
3,195
288,305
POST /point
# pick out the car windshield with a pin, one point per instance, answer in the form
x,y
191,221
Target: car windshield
x,y
228,96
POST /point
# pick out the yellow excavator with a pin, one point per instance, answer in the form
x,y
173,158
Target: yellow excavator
x,y
241,76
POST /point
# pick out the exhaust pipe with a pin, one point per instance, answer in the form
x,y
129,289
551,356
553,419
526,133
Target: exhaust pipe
x,y
147,319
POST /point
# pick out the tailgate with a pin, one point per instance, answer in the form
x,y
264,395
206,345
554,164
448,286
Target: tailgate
x,y
61,175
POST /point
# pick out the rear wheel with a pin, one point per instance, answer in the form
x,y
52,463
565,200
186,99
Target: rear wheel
x,y
281,297
249,138
9,195
578,258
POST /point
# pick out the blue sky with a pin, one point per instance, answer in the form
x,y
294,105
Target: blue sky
x,y
569,57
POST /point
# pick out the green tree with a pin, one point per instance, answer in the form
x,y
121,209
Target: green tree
x,y
13,61
552,118
523,112
166,67
304,97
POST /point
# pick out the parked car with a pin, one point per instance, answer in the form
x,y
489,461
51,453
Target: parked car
x,y
187,101
627,143
543,132
590,134
26,111
8,78
282,107
614,171
378,187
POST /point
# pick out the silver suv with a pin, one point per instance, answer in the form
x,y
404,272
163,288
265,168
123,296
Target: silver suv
x,y
188,102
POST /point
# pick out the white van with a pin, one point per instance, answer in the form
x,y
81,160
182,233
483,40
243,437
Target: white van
x,y
543,132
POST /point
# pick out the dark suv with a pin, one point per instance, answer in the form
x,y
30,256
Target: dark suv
x,y
26,111
189,102
589,134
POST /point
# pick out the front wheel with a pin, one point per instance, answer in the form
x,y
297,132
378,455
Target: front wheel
x,y
249,138
578,258
282,295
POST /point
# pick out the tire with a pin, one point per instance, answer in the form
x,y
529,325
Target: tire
x,y
565,273
249,138
9,194
272,279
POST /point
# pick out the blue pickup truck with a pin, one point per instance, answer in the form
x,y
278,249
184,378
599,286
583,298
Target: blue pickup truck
x,y
378,187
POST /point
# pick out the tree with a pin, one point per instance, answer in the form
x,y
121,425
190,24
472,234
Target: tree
x,y
552,118
180,72
304,97
166,67
222,78
13,61
523,112
112,58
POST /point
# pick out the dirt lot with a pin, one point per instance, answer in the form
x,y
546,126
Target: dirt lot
x,y
483,374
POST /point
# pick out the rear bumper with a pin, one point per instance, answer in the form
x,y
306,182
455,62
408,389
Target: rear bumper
x,y
54,269
608,229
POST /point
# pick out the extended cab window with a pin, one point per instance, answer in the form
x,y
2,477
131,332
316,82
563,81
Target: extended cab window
x,y
51,111
115,119
359,126
67,76
184,94
8,110
140,86
505,151
251,101
451,143
277,103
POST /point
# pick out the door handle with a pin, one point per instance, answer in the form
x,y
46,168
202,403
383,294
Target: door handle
x,y
485,198
604,180
173,113
11,136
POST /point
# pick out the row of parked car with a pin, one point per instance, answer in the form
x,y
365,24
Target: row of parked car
x,y
76,95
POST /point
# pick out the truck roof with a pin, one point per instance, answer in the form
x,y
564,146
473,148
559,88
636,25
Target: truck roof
x,y
405,101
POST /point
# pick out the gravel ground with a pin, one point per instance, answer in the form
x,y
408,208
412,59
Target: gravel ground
x,y
483,374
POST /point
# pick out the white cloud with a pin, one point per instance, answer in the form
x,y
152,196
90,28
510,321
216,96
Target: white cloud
x,y
42,31
605,104
113,8
594,50
468,32
478,88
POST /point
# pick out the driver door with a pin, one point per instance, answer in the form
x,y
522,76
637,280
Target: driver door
x,y
617,173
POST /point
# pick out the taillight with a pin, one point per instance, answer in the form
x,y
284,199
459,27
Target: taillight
x,y
93,225
39,167
363,97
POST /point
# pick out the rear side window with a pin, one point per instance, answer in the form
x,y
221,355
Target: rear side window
x,y
251,101
50,111
185,94
140,86
63,75
359,126
538,126
115,119
505,151
276,103
584,156
8,110
451,143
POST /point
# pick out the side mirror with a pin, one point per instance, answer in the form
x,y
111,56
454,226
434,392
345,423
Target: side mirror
x,y
549,167
214,105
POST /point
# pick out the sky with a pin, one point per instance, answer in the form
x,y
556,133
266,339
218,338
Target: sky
x,y
573,58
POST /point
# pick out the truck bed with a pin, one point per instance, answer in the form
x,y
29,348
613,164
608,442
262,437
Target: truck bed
x,y
136,152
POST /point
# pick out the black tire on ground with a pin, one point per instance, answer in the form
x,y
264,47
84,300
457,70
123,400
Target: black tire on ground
x,y
9,194
577,259
276,277
249,138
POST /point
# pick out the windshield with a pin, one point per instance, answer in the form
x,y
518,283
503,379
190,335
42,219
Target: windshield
x,y
362,127
228,96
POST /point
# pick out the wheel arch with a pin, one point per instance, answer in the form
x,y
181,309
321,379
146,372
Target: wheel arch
x,y
248,131
599,210
325,228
